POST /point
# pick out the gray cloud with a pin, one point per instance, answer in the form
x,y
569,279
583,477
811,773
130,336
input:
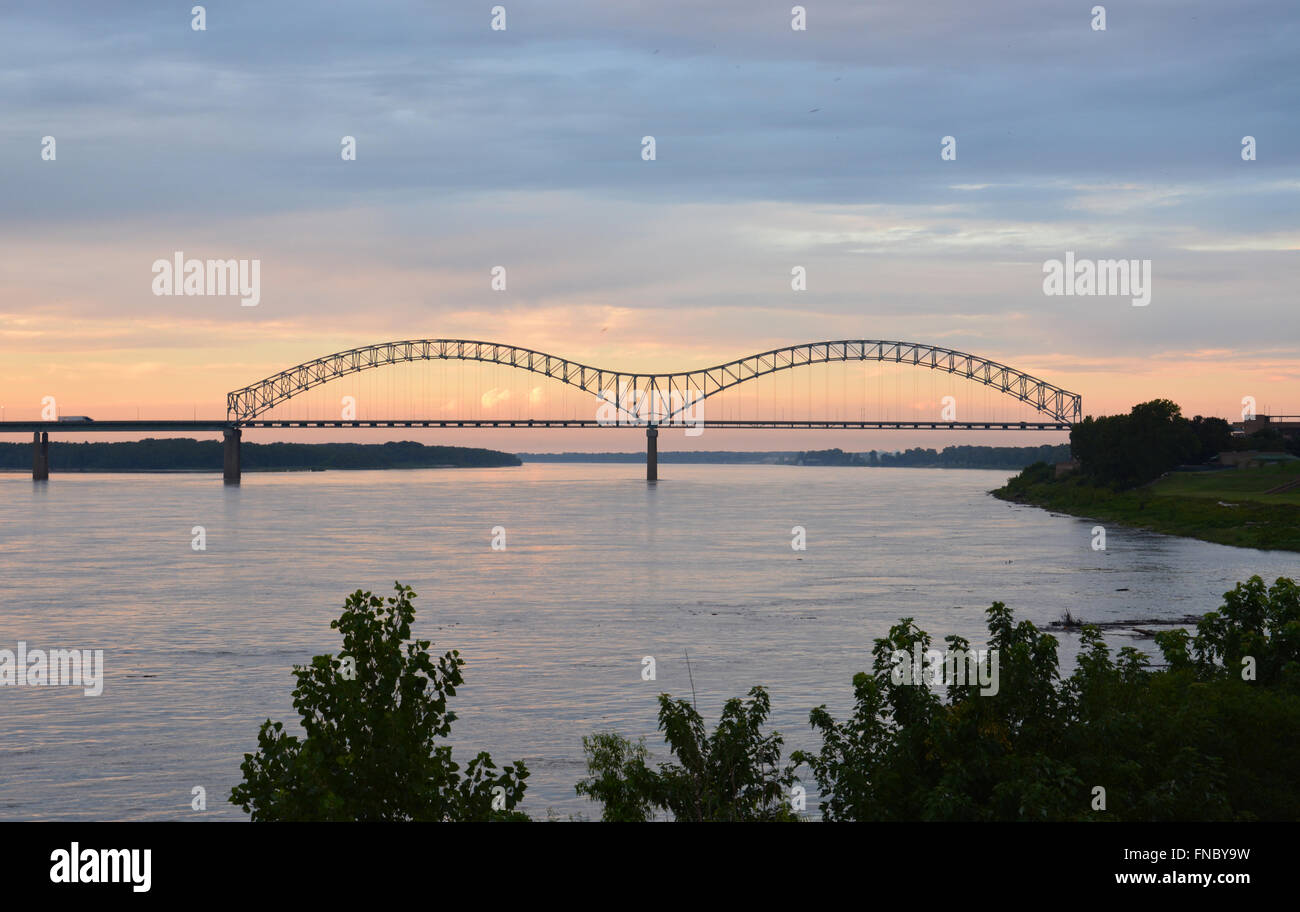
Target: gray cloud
x,y
774,147
247,116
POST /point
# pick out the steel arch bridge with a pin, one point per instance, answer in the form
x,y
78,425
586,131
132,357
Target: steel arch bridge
x,y
680,387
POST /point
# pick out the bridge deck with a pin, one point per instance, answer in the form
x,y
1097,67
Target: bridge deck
x,y
103,427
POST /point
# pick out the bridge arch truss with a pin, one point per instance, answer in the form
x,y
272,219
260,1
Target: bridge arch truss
x,y
668,394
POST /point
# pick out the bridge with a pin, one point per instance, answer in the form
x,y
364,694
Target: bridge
x,y
626,399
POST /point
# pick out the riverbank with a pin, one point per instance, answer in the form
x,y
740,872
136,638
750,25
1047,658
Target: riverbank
x,y
189,455
1246,508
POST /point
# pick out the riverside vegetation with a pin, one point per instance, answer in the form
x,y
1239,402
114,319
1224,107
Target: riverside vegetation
x,y
184,454
1126,475
1207,735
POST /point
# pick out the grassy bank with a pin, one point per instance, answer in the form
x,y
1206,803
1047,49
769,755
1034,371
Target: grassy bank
x,y
1240,507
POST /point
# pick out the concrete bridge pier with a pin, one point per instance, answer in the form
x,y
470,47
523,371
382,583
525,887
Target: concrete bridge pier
x,y
231,455
651,453
40,456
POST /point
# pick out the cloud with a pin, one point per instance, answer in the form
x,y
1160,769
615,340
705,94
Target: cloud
x,y
478,148
494,397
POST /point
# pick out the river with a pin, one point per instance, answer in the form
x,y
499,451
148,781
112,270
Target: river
x,y
598,571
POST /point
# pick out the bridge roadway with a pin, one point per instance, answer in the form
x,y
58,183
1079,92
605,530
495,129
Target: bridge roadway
x,y
232,431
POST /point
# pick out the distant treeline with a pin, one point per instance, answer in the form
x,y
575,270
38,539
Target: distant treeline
x,y
185,454
686,456
957,457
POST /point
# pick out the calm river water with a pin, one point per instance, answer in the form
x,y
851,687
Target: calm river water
x,y
599,570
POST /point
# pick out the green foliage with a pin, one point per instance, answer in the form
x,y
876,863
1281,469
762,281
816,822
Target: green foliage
x,y
619,777
1124,451
1256,622
373,718
1182,503
1193,742
1036,474
732,775
1213,435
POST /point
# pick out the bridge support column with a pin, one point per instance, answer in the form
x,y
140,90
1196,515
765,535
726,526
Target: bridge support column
x,y
231,455
651,453
40,455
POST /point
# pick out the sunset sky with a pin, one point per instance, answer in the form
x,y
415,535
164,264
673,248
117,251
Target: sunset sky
x,y
775,148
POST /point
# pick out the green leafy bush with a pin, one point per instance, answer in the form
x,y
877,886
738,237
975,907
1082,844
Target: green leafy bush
x,y
732,775
1192,742
373,719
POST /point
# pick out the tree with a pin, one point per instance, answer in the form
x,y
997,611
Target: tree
x,y
620,778
1214,436
372,718
1257,623
732,775
906,755
1125,451
1194,742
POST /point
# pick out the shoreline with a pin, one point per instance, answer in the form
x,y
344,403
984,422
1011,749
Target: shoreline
x,y
1244,524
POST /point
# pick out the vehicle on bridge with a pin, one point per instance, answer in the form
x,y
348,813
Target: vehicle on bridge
x,y
76,419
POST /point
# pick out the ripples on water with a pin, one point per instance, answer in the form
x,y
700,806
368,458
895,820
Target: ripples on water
x,y
600,570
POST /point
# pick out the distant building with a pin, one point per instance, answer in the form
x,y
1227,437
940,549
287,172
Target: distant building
x,y
1286,425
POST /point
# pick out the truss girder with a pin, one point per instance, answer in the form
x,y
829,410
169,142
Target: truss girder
x,y
1051,400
